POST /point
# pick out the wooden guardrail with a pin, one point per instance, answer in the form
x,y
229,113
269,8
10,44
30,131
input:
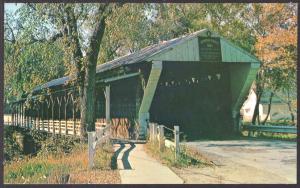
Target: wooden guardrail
x,y
101,135
157,134
64,127
268,128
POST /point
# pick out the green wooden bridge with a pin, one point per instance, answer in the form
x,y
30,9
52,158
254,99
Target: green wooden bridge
x,y
198,81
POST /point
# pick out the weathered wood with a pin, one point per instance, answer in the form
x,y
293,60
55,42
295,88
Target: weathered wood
x,y
99,136
38,118
48,120
74,121
59,115
151,132
66,97
169,144
42,118
161,137
107,104
52,110
91,150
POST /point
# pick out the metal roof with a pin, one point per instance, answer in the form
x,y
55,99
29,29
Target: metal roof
x,y
136,57
127,59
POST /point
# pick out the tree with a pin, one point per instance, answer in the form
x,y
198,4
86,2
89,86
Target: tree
x,y
276,47
46,24
23,62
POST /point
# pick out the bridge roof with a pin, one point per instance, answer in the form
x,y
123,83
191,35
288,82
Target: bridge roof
x,y
158,52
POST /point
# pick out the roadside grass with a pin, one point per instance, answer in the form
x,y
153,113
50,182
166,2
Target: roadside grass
x,y
60,168
187,157
31,157
271,136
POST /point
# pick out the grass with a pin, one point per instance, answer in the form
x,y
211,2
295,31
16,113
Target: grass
x,y
186,158
273,136
58,159
63,168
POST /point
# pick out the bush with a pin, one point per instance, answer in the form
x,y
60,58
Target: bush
x,y
11,149
57,144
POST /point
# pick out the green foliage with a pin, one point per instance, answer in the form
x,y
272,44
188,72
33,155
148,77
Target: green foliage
x,y
11,149
57,145
31,172
36,143
34,65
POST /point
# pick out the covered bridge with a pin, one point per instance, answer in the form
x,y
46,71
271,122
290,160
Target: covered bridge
x,y
198,82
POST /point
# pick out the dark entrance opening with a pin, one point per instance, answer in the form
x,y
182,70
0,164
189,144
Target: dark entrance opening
x,y
196,96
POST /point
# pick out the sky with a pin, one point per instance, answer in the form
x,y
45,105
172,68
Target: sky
x,y
11,7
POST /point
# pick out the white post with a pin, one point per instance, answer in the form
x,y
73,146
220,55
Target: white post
x,y
91,150
155,127
151,132
161,137
107,104
176,139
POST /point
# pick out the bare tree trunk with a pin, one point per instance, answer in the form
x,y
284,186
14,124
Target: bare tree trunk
x,y
259,89
86,68
256,110
88,95
269,108
290,107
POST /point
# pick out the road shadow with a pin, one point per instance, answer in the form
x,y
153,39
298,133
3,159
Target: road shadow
x,y
125,161
114,164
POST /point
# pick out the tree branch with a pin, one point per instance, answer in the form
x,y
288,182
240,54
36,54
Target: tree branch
x,y
13,40
52,39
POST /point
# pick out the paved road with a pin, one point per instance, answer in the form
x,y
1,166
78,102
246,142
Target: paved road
x,y
274,157
136,167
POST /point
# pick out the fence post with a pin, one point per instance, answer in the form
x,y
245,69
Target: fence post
x,y
176,139
91,150
150,132
161,137
155,127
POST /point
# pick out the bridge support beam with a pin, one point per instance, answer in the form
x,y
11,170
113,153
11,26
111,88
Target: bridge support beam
x,y
149,92
240,89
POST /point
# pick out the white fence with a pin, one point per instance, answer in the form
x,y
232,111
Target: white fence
x,y
100,136
157,134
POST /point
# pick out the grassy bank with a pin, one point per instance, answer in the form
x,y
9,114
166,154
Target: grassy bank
x,y
57,160
272,136
187,156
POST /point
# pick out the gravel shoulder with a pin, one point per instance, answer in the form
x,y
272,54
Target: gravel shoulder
x,y
243,161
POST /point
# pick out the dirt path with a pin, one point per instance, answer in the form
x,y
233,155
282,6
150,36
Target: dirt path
x,y
244,161
136,167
